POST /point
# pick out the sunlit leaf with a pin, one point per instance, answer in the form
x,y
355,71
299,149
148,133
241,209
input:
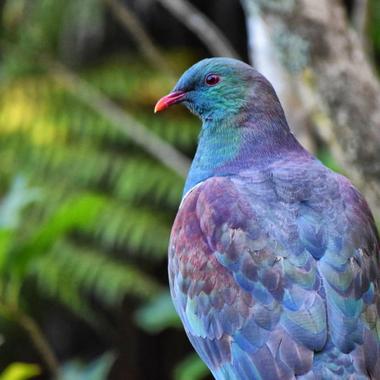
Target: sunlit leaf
x,y
157,314
191,368
20,371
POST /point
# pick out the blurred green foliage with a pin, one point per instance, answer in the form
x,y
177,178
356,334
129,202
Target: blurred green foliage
x,y
89,214
103,207
157,314
98,369
97,192
191,369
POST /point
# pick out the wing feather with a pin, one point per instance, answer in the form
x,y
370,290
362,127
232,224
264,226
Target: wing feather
x,y
270,282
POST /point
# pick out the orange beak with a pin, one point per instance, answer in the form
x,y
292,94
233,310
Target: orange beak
x,y
168,100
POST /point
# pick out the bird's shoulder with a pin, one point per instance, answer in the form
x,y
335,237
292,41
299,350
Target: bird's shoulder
x,y
281,189
299,198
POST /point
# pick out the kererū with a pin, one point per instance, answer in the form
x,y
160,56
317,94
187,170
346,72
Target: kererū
x,y
273,258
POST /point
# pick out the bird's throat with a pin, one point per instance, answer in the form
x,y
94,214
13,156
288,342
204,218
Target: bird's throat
x,y
216,147
225,149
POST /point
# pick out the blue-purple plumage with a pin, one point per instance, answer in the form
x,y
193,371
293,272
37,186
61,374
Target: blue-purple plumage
x,y
277,272
274,261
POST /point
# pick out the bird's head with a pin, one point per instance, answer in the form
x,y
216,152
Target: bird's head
x,y
217,88
243,122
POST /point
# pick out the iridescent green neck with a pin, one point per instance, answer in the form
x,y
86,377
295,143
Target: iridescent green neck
x,y
217,146
226,148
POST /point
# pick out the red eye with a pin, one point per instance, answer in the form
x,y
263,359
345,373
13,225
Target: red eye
x,y
212,79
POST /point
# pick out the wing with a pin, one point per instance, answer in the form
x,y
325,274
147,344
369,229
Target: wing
x,y
264,275
350,270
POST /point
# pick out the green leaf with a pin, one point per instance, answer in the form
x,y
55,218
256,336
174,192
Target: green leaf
x,y
20,371
326,157
98,369
192,368
76,212
18,196
6,238
158,314
67,270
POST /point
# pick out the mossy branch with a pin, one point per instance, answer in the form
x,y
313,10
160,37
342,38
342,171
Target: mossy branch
x,y
201,26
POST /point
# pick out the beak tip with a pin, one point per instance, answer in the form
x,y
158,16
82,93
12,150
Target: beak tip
x,y
168,100
160,106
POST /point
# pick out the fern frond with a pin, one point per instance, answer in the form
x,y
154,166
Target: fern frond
x,y
70,267
120,225
139,179
81,164
97,188
48,114
71,215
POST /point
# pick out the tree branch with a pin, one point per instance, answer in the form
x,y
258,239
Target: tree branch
x,y
40,342
137,132
36,335
201,26
136,30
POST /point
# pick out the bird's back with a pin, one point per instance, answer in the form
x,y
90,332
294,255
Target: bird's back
x,y
275,274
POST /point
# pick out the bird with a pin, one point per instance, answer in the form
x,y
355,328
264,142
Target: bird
x,y
273,258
